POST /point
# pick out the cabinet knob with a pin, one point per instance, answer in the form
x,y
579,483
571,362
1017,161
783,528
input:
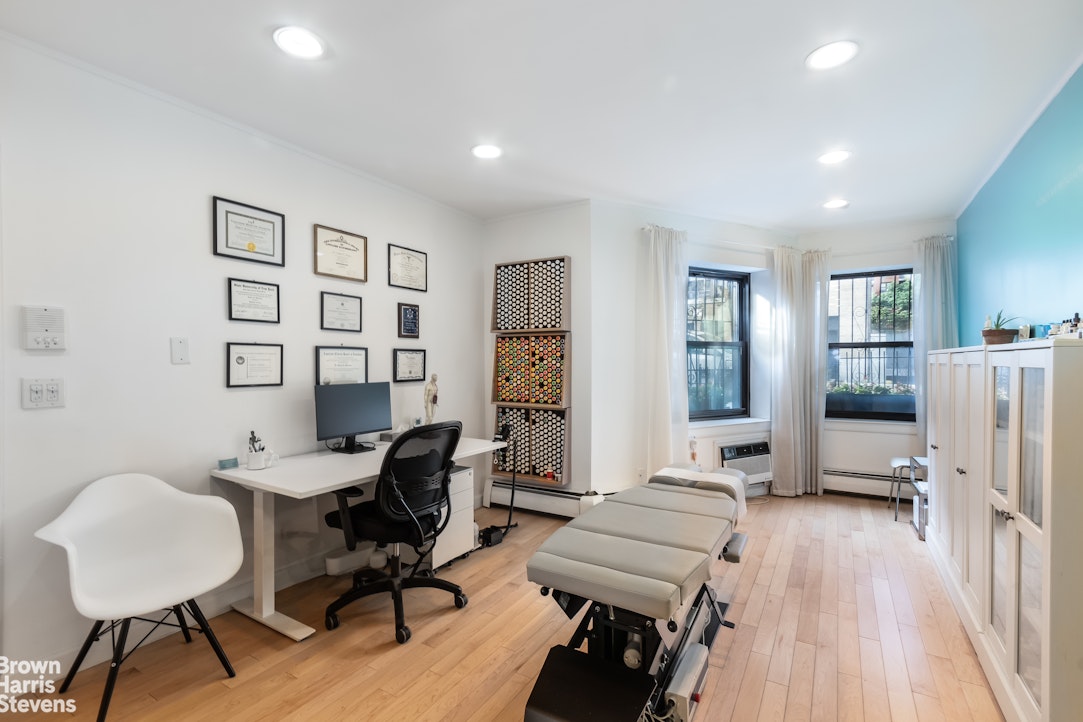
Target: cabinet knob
x,y
934,447
1005,515
960,471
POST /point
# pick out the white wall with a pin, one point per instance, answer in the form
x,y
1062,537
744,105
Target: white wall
x,y
105,210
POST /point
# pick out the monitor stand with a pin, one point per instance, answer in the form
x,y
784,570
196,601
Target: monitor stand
x,y
350,445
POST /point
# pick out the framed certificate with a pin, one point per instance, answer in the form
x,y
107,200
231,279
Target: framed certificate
x,y
253,364
249,233
407,268
341,365
253,301
340,312
409,320
408,364
340,254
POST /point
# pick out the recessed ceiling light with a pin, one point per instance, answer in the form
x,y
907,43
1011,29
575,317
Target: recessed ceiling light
x,y
836,203
831,55
486,151
834,156
298,42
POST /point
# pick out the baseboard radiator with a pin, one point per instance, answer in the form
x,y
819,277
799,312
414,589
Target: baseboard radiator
x,y
850,481
753,458
549,501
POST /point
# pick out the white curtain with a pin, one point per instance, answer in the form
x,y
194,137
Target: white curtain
x,y
799,373
935,307
666,332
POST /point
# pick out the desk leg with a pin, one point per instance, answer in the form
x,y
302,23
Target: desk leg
x,y
261,606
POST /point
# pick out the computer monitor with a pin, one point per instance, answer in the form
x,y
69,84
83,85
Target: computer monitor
x,y
346,410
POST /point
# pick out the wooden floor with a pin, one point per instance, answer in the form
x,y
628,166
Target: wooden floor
x,y
840,616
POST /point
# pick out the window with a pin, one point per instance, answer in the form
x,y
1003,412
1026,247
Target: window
x,y
870,357
717,344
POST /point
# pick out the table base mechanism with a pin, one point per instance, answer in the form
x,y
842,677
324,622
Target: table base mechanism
x,y
276,621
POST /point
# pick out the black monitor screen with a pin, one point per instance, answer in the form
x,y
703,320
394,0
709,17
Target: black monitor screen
x,y
345,410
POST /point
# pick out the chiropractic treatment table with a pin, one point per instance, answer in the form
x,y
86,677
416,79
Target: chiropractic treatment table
x,y
640,562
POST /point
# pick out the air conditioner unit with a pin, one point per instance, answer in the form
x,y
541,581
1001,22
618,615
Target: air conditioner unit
x,y
754,459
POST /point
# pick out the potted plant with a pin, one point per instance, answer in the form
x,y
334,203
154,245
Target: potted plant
x,y
997,332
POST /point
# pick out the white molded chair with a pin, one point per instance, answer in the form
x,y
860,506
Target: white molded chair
x,y
137,546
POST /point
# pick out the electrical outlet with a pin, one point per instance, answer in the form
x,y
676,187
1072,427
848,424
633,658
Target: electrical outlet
x,y
43,393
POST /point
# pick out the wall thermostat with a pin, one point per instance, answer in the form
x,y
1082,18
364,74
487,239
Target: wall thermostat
x,y
43,328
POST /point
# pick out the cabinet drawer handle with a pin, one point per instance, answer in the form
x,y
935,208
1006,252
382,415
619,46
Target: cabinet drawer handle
x,y
960,471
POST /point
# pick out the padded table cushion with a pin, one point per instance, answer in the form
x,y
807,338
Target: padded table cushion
x,y
639,576
671,498
694,532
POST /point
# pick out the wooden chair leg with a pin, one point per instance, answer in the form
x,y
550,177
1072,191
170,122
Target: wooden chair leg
x,y
182,623
114,668
206,628
90,639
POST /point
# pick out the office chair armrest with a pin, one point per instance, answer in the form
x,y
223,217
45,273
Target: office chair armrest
x,y
343,496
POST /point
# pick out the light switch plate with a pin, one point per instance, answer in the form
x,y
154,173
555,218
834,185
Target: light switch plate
x,y
178,350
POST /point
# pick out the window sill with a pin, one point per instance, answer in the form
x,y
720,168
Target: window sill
x,y
727,423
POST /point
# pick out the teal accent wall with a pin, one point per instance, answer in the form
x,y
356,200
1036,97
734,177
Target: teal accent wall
x,y
1021,238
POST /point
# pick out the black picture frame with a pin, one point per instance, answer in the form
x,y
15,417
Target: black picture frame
x,y
253,364
340,254
340,312
409,320
342,365
248,233
407,268
252,300
408,364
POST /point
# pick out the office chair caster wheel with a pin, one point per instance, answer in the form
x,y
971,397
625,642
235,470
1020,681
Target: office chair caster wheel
x,y
460,601
402,634
331,622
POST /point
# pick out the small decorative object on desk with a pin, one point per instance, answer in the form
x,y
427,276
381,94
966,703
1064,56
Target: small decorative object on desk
x,y
258,455
430,399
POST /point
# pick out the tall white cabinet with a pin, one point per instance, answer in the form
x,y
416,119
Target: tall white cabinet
x,y
1005,431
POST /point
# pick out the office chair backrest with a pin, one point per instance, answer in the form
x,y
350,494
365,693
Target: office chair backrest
x,y
417,466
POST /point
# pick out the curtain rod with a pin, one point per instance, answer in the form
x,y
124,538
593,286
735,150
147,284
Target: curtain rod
x,y
719,243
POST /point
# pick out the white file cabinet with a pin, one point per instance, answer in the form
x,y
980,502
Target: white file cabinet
x,y
458,537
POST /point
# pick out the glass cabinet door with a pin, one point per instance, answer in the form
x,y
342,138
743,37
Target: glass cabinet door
x,y
1001,396
1029,637
1032,453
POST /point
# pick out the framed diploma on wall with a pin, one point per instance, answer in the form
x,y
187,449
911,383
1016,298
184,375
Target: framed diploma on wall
x,y
340,312
249,233
253,364
341,365
340,254
409,364
253,301
407,268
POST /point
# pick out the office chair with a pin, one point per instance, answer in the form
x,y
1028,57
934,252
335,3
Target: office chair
x,y
137,546
412,506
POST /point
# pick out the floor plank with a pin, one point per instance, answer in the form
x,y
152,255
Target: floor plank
x,y
840,615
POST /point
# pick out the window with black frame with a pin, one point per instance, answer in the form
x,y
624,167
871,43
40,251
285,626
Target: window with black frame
x,y
717,344
870,362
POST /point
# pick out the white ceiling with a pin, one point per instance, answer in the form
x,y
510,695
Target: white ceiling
x,y
697,106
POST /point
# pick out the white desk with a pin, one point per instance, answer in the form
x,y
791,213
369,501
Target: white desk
x,y
302,477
